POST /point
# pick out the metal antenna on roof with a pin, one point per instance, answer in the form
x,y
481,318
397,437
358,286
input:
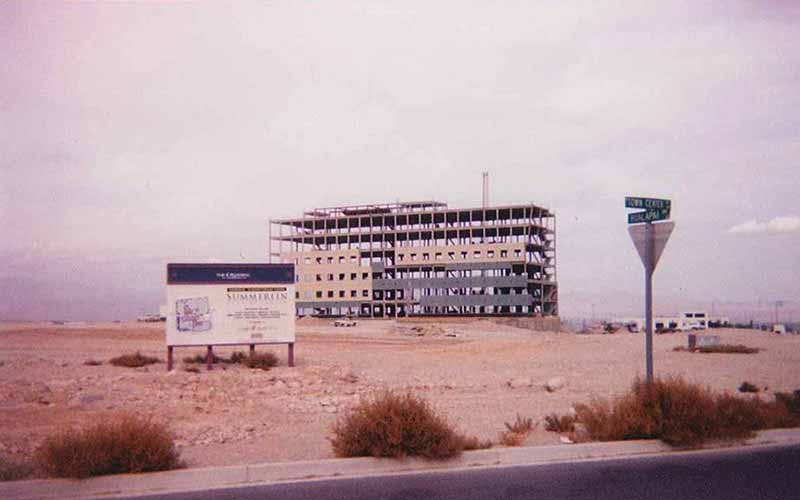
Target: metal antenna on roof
x,y
485,189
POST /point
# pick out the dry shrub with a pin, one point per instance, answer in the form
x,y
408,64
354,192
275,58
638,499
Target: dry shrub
x,y
790,401
473,443
393,425
748,387
668,409
728,349
521,425
200,359
262,360
681,414
720,349
516,433
737,418
509,438
14,470
238,357
559,423
135,360
124,444
92,362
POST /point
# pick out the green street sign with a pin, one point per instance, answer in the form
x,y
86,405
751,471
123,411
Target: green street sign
x,y
647,203
648,216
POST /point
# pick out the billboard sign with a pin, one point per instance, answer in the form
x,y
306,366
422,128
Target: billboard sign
x,y
230,304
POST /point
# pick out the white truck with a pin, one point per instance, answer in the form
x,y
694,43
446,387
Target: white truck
x,y
346,321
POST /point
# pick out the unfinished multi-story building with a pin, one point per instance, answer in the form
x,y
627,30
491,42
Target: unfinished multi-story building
x,y
421,259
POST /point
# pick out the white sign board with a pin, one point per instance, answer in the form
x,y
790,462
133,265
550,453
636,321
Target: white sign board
x,y
230,304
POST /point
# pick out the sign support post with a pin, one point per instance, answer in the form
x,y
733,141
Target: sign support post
x,y
648,300
649,240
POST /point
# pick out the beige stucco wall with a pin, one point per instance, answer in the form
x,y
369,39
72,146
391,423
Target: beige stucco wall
x,y
340,265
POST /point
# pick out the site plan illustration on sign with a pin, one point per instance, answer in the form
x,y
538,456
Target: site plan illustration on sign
x,y
193,314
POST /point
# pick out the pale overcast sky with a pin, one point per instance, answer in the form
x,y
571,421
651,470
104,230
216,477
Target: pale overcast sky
x,y
132,134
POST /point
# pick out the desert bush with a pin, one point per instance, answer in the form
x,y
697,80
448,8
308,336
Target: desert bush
x,y
509,438
199,359
238,357
559,423
669,409
392,425
262,360
736,418
728,349
135,360
720,349
748,387
473,443
125,444
790,401
683,414
521,425
516,433
92,362
14,470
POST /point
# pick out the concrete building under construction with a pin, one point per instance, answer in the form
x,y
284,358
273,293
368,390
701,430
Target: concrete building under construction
x,y
421,259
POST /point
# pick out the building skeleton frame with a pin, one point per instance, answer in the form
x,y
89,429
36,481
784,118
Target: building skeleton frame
x,y
420,259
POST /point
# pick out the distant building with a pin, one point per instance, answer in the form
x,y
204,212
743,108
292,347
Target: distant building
x,y
692,320
421,259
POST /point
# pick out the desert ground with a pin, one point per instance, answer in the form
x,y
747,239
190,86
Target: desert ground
x,y
477,373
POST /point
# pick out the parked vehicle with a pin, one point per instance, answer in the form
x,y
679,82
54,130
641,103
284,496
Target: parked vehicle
x,y
346,321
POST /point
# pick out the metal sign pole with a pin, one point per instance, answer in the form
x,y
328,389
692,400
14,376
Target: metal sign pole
x,y
649,240
648,300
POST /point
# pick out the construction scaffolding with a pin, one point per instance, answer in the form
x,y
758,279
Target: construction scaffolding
x,y
420,259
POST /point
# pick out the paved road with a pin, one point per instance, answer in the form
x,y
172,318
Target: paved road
x,y
747,474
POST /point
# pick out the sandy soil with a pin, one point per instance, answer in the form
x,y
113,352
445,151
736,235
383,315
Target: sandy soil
x,y
479,374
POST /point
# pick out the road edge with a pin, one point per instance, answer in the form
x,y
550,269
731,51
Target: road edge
x,y
187,480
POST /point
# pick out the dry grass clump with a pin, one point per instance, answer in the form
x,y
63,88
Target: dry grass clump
x,y
135,360
237,357
720,349
790,401
393,425
262,360
559,423
516,433
14,470
681,414
473,443
125,444
201,359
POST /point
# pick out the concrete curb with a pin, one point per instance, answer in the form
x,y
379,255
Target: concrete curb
x,y
247,475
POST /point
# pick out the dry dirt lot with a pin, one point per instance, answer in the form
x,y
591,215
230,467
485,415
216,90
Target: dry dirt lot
x,y
236,415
